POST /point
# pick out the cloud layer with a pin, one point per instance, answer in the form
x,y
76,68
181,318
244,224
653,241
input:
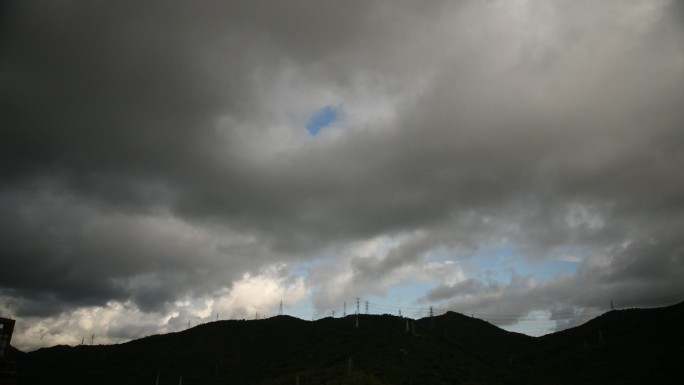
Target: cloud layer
x,y
156,166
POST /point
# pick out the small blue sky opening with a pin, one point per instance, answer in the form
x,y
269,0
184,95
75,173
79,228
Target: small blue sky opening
x,y
321,119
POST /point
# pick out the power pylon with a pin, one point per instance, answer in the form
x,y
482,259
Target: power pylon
x,y
432,319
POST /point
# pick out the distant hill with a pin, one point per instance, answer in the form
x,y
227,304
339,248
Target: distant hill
x,y
628,346
636,346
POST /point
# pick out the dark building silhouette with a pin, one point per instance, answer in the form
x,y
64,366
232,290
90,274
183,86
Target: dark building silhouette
x,y
8,374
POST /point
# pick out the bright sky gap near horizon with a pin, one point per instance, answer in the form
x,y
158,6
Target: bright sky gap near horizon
x,y
162,163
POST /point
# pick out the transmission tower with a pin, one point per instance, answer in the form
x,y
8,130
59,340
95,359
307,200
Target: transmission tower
x,y
92,338
280,309
366,307
344,312
432,319
611,305
357,304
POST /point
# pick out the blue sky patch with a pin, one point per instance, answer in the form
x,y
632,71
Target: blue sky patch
x,y
321,119
498,263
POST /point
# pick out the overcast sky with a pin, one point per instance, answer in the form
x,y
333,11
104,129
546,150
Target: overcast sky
x,y
166,162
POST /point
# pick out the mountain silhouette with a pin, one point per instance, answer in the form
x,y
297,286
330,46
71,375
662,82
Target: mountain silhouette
x,y
633,346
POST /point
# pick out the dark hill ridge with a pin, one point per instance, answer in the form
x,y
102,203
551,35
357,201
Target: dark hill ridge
x,y
620,346
477,336
633,346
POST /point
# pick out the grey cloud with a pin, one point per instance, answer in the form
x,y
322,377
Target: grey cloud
x,y
465,288
34,303
645,273
373,269
60,250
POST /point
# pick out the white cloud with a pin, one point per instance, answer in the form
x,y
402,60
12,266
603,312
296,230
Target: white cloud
x,y
113,323
260,293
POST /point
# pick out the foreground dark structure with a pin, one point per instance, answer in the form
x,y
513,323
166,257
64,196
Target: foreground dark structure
x,y
632,346
8,372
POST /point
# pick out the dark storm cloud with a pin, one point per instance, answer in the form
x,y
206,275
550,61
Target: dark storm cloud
x,y
60,250
131,91
109,117
143,155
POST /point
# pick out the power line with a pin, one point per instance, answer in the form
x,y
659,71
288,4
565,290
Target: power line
x,y
570,312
